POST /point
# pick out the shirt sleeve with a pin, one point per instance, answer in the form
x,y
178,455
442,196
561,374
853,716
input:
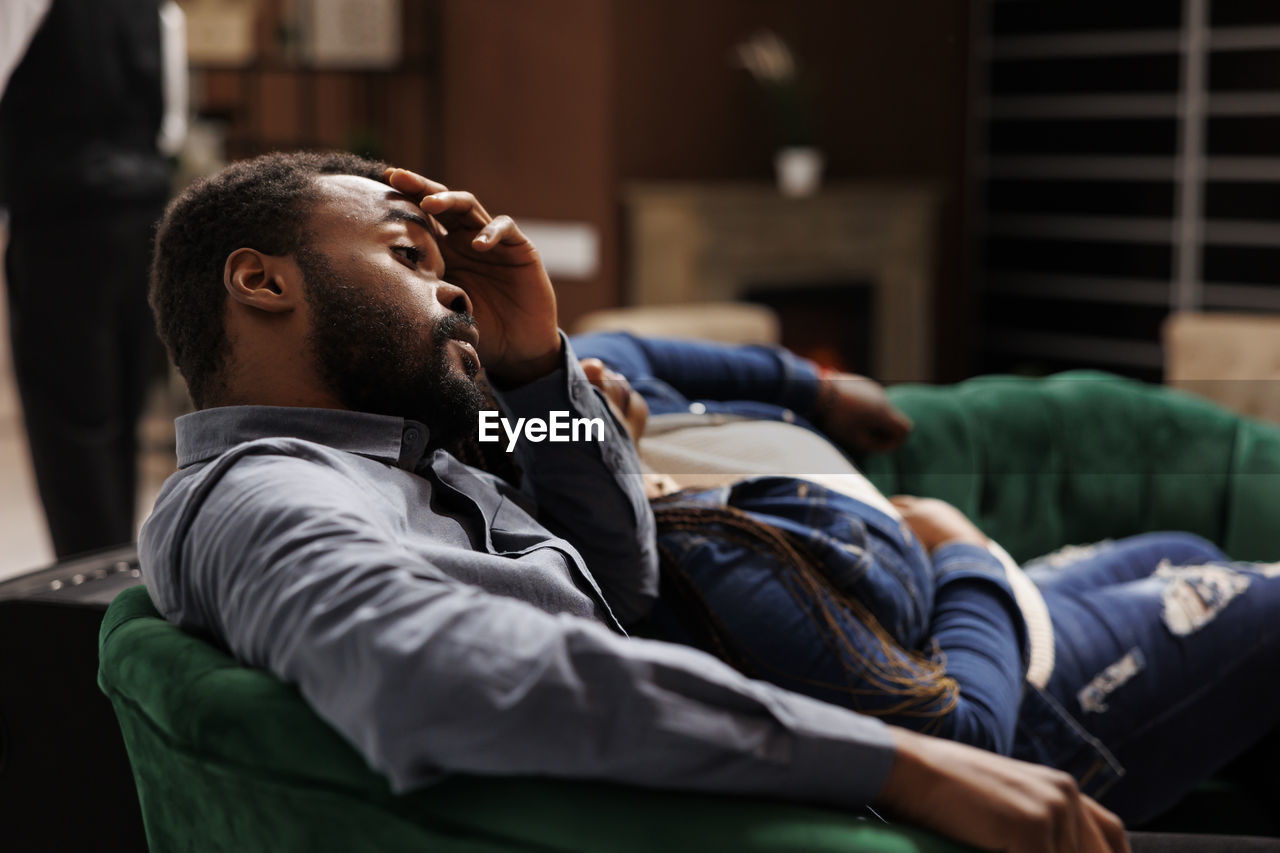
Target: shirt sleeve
x,y
977,624
426,675
590,492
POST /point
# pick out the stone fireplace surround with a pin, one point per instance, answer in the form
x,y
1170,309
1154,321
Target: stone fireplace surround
x,y
700,242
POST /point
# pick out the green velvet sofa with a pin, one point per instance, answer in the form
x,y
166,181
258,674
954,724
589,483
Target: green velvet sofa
x,y
229,759
1083,456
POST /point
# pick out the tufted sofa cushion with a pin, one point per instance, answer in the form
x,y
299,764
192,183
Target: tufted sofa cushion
x,y
1083,456
228,758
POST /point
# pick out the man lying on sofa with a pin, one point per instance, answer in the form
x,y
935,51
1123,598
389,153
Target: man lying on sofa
x,y
319,529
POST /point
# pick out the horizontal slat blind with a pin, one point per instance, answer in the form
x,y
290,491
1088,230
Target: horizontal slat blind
x,y
1129,164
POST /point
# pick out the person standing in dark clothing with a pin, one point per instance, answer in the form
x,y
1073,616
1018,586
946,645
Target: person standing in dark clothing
x,y
84,182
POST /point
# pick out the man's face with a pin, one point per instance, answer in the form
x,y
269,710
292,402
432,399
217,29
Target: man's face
x,y
388,334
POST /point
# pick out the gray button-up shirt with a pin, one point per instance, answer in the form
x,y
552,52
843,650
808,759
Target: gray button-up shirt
x,y
424,611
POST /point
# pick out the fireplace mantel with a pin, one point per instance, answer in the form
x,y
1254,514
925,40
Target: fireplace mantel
x,y
697,242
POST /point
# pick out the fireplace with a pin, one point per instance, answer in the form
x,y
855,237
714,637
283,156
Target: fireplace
x,y
853,264
826,321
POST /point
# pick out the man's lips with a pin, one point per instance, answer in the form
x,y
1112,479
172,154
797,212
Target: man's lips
x,y
466,339
467,335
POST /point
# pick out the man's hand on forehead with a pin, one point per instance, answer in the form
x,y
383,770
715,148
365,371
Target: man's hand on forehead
x,y
413,188
502,273
458,212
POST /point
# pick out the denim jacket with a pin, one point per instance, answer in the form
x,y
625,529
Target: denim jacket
x,y
766,383
954,605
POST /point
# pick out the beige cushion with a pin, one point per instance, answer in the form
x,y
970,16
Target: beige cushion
x,y
727,322
1233,359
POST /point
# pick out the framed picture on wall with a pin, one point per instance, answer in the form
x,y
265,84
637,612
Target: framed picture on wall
x,y
351,33
220,32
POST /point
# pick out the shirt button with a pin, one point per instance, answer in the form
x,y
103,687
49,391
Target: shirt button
x,y
698,408
788,416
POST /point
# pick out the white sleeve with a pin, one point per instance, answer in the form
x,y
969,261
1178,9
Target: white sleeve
x,y
19,21
173,57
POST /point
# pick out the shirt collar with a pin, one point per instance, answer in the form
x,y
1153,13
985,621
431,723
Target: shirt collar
x,y
209,433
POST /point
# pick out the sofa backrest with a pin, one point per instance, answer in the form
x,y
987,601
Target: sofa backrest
x,y
1083,456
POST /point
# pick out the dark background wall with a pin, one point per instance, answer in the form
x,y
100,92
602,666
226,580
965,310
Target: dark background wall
x,y
528,103
548,109
551,108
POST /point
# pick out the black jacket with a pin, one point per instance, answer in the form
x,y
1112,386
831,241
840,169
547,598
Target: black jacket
x,y
79,119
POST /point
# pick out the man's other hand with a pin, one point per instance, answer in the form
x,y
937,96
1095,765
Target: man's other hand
x,y
993,802
502,273
854,412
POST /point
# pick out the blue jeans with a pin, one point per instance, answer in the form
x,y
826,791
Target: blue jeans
x,y
1166,652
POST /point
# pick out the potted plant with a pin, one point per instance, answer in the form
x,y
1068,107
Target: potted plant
x,y
798,163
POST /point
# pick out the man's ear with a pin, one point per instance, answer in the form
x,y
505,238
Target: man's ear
x,y
270,283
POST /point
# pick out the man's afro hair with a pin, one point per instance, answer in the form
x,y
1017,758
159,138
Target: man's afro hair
x,y
261,204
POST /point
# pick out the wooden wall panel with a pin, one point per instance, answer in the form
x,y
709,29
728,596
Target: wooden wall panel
x,y
408,120
548,109
551,108
888,85
279,109
889,89
219,91
337,96
279,101
528,119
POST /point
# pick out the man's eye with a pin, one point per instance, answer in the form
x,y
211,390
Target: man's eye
x,y
412,254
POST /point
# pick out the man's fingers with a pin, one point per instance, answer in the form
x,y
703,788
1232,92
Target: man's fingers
x,y
502,229
1080,824
411,183
1109,828
456,207
1092,839
994,802
1069,815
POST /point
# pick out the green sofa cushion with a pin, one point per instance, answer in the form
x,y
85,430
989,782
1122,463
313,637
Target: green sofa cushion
x,y
228,758
1083,456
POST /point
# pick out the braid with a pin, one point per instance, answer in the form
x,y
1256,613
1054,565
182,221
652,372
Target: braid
x,y
918,681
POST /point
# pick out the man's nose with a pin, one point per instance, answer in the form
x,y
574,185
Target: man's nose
x,y
454,298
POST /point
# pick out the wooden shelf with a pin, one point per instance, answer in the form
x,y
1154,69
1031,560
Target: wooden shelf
x,y
275,102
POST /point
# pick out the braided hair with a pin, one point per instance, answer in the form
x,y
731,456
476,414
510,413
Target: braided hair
x,y
902,683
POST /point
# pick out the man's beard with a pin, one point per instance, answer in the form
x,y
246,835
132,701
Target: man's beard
x,y
376,359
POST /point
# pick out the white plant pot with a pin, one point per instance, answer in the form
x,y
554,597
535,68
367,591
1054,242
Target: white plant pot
x,y
799,170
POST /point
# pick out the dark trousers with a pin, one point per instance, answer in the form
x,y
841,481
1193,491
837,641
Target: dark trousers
x,y
83,350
